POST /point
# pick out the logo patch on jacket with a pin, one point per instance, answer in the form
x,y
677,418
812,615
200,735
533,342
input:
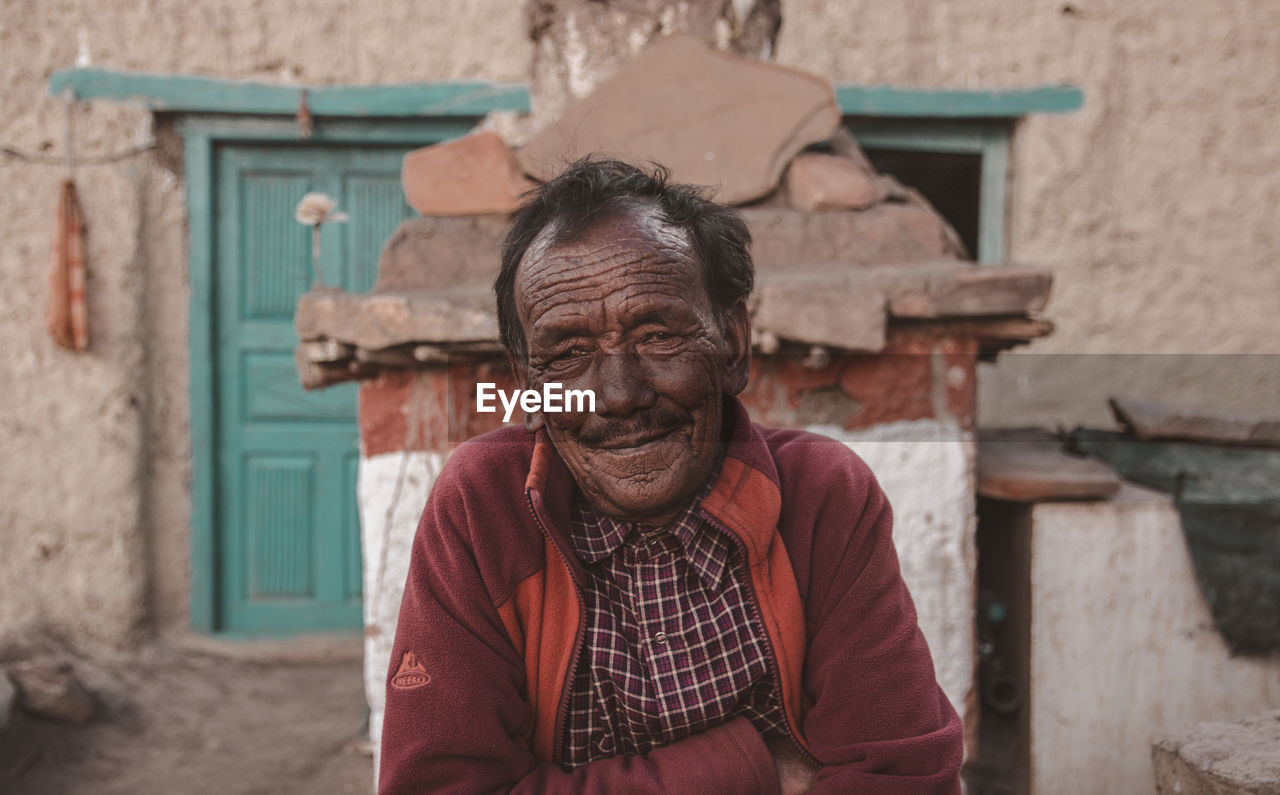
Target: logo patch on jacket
x,y
411,673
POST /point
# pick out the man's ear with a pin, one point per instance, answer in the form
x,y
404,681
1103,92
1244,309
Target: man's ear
x,y
737,337
520,370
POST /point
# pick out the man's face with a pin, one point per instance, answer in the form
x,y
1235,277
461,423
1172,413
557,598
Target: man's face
x,y
622,311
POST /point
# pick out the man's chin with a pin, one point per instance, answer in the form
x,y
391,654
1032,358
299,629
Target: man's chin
x,y
647,480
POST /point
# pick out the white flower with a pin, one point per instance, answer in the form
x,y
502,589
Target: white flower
x,y
316,209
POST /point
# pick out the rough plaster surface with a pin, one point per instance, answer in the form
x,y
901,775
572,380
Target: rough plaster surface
x,y
579,43
396,484
926,469
1123,649
1154,205
94,500
71,426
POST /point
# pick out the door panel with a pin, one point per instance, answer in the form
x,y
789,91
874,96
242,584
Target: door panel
x,y
381,200
278,498
287,534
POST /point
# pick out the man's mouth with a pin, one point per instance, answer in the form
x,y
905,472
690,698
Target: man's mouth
x,y
636,442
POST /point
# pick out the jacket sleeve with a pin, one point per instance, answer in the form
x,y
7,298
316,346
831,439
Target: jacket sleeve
x,y
878,720
461,721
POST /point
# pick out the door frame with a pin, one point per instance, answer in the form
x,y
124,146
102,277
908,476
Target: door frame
x,y
201,135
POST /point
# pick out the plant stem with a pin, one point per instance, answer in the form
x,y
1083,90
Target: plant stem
x,y
315,254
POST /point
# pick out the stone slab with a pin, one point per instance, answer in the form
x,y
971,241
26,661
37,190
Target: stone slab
x,y
828,304
977,291
1030,465
886,234
383,320
1217,758
714,119
473,175
842,317
434,253
431,253
1150,421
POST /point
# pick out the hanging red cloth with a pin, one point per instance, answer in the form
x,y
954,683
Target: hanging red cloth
x,y
66,314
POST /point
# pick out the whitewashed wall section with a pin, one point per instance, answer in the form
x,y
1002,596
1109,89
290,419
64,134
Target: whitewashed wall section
x,y
926,469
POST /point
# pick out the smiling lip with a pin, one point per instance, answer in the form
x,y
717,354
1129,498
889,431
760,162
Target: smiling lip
x,y
636,442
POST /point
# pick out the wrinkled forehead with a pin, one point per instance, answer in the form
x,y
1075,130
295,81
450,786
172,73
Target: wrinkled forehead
x,y
636,225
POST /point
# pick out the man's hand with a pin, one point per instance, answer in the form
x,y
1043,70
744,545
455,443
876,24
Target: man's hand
x,y
795,773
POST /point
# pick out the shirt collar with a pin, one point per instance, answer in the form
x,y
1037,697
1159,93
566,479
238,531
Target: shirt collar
x,y
595,536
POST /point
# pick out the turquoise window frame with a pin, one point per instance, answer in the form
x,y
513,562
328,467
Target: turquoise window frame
x,y
210,111
980,123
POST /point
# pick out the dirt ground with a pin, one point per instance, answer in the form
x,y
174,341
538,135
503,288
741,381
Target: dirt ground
x,y
191,720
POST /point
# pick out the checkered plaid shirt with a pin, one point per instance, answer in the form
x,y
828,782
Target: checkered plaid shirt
x,y
673,644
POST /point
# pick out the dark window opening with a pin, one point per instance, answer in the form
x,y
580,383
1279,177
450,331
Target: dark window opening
x,y
951,182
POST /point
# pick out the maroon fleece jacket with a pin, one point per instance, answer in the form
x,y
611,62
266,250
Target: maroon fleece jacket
x,y
490,629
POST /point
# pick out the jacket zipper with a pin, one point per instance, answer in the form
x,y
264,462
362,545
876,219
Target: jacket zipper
x,y
770,652
562,711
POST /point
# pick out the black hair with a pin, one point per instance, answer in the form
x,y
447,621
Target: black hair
x,y
593,188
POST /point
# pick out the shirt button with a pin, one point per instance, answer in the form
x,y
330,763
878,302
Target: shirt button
x,y
660,637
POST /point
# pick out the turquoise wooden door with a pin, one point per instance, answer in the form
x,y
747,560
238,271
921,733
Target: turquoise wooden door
x,y
287,540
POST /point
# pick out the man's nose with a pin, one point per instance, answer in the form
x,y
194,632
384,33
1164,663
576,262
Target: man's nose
x,y
623,385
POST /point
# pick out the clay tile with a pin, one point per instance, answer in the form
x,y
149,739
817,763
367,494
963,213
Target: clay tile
x,y
712,118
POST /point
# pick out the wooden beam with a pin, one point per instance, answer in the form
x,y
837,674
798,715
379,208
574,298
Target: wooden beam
x,y
956,103
200,94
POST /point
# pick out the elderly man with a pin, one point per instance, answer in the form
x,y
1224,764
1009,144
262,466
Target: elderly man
x,y
656,595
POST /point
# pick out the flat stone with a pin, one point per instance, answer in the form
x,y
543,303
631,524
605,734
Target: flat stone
x,y
383,320
977,291
714,119
7,696
841,316
828,304
1030,465
818,181
1221,758
473,175
886,234
1161,421
49,689
434,253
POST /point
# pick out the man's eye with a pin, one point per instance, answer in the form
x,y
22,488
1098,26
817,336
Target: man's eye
x,y
570,354
658,336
